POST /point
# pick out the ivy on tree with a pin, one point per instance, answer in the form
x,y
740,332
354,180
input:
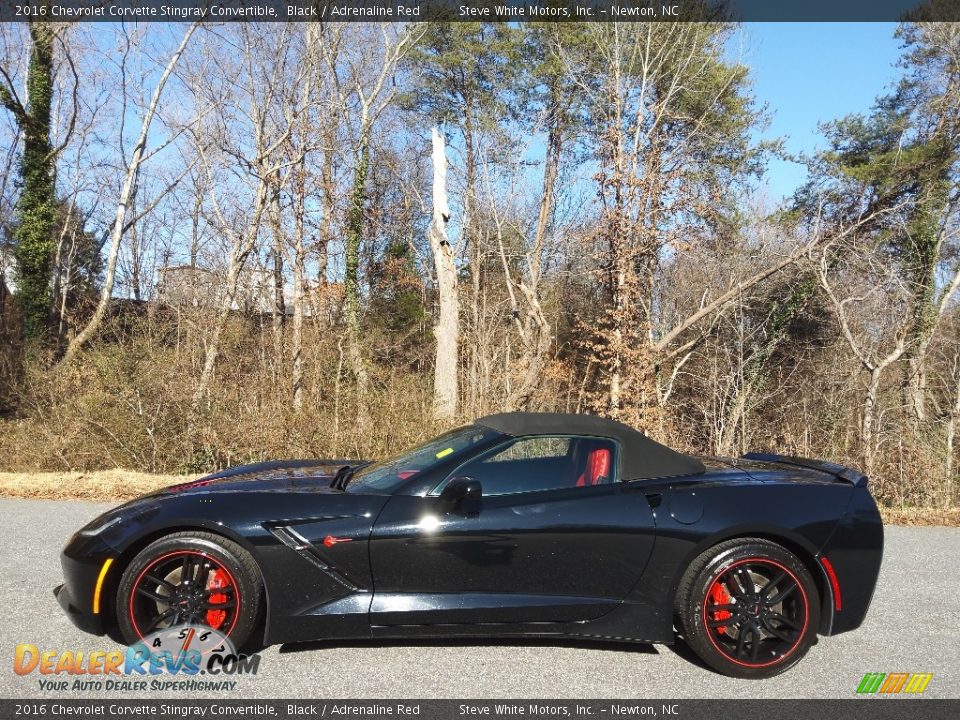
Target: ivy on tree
x,y
36,210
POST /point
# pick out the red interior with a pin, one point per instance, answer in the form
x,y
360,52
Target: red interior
x,y
598,467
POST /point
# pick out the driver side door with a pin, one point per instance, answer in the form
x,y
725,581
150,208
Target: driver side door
x,y
554,537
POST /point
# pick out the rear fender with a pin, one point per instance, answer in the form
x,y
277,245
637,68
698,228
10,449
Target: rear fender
x,y
854,552
800,517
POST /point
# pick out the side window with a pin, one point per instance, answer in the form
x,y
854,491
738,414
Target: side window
x,y
533,448
544,463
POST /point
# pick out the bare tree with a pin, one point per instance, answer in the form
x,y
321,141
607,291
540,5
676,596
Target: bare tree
x,y
362,83
121,222
270,119
521,246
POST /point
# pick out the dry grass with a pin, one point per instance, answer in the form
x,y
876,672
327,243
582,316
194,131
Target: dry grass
x,y
104,485
114,485
921,516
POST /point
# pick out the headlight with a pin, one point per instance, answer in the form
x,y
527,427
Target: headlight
x,y
99,525
124,514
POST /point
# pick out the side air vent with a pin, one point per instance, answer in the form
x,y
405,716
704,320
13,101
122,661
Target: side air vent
x,y
295,541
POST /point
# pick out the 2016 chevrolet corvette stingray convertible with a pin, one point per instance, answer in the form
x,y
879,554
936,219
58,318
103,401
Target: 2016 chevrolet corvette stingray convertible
x,y
521,524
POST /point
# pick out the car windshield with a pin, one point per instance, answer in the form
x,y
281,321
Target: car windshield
x,y
388,474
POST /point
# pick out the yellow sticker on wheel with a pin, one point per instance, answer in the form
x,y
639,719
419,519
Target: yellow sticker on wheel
x,y
444,453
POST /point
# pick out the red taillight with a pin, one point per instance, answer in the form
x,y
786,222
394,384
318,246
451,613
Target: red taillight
x,y
837,603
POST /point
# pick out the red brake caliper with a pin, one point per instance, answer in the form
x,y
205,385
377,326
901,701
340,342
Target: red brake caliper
x,y
218,579
720,596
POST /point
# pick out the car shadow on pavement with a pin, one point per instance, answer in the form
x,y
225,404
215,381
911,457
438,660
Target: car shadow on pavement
x,y
683,651
574,643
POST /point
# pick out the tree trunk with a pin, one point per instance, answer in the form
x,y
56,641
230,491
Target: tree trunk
x,y
551,170
950,438
279,303
868,422
34,234
299,290
242,247
535,356
916,386
470,241
326,223
296,339
447,328
950,435
536,331
279,309
351,281
924,323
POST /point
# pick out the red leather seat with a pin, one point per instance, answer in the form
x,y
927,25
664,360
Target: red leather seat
x,y
597,469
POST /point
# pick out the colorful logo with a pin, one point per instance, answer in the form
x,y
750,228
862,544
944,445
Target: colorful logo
x,y
182,650
894,683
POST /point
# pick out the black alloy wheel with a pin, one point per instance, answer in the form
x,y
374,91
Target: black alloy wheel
x,y
749,608
190,578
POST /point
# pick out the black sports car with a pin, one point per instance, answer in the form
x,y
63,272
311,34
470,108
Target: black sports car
x,y
520,524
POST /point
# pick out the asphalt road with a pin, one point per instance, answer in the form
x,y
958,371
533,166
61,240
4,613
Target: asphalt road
x,y
913,626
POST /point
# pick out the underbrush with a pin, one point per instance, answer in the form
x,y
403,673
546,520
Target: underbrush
x,y
129,405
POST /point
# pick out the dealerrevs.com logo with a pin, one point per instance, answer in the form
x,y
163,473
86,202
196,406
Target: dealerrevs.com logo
x,y
894,683
181,651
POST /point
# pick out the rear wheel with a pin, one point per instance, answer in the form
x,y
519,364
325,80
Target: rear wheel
x,y
748,608
193,578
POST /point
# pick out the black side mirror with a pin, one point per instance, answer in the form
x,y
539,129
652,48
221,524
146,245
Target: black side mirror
x,y
462,494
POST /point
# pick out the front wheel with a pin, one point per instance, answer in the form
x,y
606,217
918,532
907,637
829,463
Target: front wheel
x,y
192,578
748,608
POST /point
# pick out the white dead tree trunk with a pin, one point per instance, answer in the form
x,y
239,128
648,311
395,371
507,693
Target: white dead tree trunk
x,y
126,199
447,328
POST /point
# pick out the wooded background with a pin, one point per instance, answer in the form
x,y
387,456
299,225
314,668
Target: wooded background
x,y
229,243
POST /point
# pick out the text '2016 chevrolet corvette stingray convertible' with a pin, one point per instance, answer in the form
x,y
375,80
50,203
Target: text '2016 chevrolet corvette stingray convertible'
x,y
520,524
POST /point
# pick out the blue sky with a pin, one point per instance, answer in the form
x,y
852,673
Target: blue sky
x,y
813,72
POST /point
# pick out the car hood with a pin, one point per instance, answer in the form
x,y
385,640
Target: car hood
x,y
287,476
269,491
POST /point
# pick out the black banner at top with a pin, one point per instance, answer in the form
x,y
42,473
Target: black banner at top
x,y
218,11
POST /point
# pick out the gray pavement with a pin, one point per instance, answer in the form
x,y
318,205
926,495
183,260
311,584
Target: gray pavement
x,y
913,626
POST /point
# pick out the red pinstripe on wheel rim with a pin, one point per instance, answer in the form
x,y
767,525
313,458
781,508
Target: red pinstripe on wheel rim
x,y
218,582
750,609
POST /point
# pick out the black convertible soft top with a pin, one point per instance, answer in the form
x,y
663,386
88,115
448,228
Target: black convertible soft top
x,y
640,457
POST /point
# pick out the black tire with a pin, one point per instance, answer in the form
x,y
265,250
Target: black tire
x,y
766,595
206,554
